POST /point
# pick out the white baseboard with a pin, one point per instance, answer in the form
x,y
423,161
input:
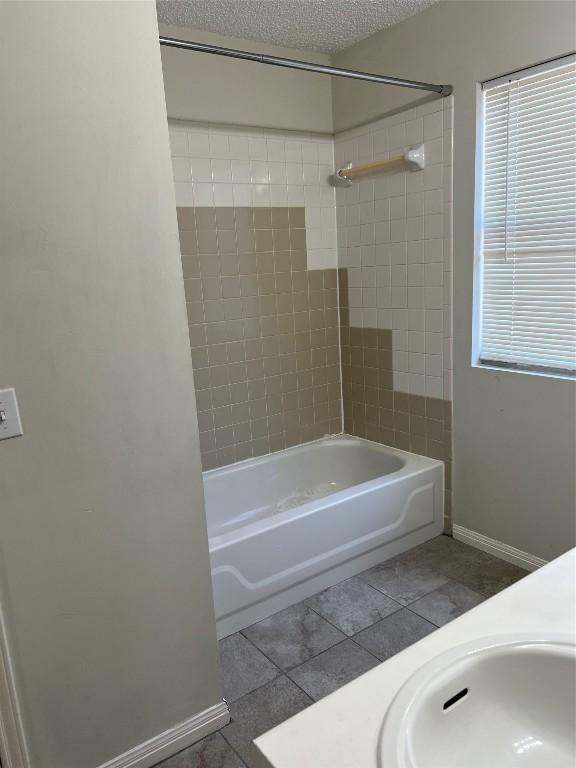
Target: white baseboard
x,y
173,740
498,548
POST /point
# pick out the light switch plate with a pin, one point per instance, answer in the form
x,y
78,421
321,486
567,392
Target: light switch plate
x,y
10,424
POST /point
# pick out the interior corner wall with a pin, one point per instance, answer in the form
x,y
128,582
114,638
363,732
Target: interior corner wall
x,y
514,434
104,566
214,89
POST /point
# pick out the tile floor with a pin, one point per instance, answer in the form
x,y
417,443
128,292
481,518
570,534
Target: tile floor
x,y
281,665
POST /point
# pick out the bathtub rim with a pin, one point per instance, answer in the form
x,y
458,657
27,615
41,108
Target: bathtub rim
x,y
413,464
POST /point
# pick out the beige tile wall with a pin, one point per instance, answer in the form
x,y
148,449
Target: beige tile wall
x,y
263,331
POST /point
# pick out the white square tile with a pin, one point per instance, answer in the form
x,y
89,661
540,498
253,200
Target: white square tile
x,y
241,171
184,195
433,201
397,137
432,177
278,194
400,318
401,381
400,340
309,152
259,172
417,362
434,387
369,317
398,253
433,126
399,275
203,194
434,250
275,150
384,296
416,275
414,228
221,171
201,169
415,297
242,194
415,131
433,226
434,343
417,384
434,365
434,320
383,276
415,319
311,175
415,204
257,149
382,210
239,148
295,173
181,169
415,251
400,360
398,207
434,151
326,153
198,144
219,145
260,195
398,230
399,297
356,317
380,143
381,232
434,298
223,195
277,173
434,274
416,341
384,318
295,195
293,151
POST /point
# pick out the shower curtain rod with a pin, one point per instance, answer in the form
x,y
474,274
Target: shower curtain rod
x,y
277,61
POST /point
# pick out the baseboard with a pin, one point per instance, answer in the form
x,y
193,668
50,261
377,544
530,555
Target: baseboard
x,y
173,740
498,548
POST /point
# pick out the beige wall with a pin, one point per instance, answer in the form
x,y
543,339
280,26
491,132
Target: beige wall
x,y
221,90
104,563
514,433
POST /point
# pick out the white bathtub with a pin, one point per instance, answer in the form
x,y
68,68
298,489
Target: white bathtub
x,y
287,525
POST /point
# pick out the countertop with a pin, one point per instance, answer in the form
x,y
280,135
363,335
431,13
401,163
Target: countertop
x,y
341,731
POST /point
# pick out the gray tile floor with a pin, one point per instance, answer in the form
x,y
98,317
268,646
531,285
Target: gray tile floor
x,y
281,665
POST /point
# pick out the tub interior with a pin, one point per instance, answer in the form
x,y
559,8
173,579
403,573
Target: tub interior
x,y
244,493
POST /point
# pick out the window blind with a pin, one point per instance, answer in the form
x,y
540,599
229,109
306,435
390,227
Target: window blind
x,y
528,220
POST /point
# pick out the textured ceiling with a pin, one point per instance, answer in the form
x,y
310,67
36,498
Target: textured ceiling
x,y
313,25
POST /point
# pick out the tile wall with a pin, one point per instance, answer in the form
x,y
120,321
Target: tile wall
x,y
395,265
263,331
257,223
263,233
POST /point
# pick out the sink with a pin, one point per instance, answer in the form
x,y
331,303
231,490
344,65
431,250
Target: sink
x,y
501,702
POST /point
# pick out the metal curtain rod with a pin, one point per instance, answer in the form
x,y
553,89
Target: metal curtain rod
x,y
277,61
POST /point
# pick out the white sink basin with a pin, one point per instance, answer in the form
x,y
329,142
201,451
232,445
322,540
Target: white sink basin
x,y
500,702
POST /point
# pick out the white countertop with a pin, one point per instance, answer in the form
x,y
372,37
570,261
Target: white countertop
x,y
341,731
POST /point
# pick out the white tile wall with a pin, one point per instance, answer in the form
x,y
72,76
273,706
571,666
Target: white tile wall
x,y
395,239
230,166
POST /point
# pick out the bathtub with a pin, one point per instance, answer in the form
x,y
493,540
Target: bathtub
x,y
285,526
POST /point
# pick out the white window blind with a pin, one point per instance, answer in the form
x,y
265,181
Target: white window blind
x,y
528,220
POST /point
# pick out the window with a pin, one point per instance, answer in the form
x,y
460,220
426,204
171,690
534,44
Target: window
x,y
526,291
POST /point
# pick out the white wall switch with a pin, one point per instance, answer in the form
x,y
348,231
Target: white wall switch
x,y
10,424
